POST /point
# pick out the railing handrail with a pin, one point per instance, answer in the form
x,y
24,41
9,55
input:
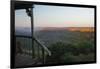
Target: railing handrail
x,y
40,44
24,36
43,46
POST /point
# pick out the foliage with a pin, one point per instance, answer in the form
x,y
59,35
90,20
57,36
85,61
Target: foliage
x,y
67,53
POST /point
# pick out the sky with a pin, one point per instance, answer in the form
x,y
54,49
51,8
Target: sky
x,y
56,16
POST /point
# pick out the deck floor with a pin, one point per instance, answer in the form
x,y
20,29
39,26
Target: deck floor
x,y
24,60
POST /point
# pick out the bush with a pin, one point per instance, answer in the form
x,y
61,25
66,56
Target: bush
x,y
58,50
67,53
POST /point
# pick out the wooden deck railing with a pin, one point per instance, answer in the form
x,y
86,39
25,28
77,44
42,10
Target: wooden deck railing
x,y
40,50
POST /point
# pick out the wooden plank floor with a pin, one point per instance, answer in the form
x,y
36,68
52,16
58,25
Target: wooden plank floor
x,y
24,60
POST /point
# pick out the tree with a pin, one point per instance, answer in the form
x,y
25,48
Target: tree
x,y
58,50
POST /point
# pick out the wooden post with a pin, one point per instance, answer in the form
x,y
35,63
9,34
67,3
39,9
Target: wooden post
x,y
43,56
33,51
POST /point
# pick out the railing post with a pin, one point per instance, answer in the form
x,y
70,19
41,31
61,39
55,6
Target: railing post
x,y
43,55
38,52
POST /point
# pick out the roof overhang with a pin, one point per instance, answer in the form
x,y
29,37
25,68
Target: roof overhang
x,y
21,5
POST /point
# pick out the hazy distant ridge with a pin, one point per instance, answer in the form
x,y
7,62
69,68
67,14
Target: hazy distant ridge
x,y
27,31
80,29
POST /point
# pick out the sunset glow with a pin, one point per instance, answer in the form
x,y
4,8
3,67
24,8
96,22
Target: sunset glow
x,y
56,16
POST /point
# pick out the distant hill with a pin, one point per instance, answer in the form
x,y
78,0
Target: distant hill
x,y
23,31
80,29
27,31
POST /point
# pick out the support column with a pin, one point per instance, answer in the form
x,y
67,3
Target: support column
x,y
29,12
33,51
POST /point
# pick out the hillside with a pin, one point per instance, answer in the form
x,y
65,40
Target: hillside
x,y
79,29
